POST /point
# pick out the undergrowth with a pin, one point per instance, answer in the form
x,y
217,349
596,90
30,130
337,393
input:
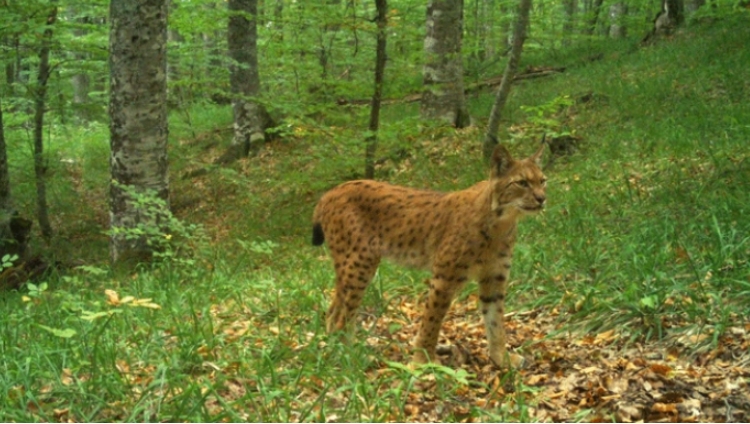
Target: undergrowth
x,y
645,231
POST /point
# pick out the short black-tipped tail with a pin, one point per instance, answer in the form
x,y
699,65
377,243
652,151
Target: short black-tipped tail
x,y
318,237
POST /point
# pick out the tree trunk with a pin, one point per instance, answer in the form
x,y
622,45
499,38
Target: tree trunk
x,y
570,7
243,76
692,6
594,17
519,36
380,58
15,231
443,97
670,16
617,27
80,80
6,204
10,69
40,94
7,242
138,118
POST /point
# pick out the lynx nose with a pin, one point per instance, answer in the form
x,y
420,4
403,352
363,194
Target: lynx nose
x,y
540,197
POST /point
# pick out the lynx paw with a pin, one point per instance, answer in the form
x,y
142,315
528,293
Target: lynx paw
x,y
420,357
510,361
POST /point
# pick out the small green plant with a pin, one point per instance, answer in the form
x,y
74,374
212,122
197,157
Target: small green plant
x,y
36,291
549,118
7,261
263,247
171,239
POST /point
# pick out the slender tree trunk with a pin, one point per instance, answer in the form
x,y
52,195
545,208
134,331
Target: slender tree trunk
x,y
138,119
244,78
80,81
594,17
570,7
5,200
10,69
40,95
7,243
380,58
501,97
443,96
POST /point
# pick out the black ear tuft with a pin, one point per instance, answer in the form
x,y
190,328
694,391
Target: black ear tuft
x,y
501,160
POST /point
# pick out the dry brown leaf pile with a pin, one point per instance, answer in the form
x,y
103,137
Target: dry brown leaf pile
x,y
589,377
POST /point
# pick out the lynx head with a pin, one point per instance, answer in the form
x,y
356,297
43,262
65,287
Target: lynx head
x,y
517,184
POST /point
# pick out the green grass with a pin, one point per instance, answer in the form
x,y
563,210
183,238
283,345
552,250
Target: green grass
x,y
646,231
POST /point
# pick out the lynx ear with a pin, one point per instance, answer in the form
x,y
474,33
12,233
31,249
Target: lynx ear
x,y
536,157
501,160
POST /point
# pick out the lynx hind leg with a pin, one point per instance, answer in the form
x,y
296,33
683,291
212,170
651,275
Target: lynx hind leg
x,y
354,271
492,295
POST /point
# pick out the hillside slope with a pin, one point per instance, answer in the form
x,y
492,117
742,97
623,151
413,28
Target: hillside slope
x,y
629,294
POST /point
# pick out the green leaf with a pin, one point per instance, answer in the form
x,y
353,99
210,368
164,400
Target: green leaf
x,y
65,333
91,316
649,302
402,367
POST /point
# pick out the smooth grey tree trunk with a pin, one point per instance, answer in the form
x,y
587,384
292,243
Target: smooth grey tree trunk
x,y
244,78
443,95
617,27
501,97
138,117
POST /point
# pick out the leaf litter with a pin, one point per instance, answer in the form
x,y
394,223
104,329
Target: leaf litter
x,y
570,376
579,376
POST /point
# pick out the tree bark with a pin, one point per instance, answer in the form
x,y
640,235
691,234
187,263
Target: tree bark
x,y
80,81
617,27
443,97
244,78
570,7
138,118
380,59
6,204
594,17
40,95
5,200
692,6
15,231
519,36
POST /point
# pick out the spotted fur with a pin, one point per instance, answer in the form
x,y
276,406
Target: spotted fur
x,y
458,236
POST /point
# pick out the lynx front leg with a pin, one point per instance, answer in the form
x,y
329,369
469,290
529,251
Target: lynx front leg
x,y
438,301
353,275
492,295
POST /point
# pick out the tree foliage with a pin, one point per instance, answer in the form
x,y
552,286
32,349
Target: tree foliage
x,y
316,60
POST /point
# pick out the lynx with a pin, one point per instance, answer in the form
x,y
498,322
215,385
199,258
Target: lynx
x,y
458,236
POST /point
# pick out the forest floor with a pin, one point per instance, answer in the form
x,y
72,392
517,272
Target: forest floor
x,y
576,376
629,294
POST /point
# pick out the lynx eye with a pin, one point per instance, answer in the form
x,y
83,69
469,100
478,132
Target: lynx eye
x,y
523,183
